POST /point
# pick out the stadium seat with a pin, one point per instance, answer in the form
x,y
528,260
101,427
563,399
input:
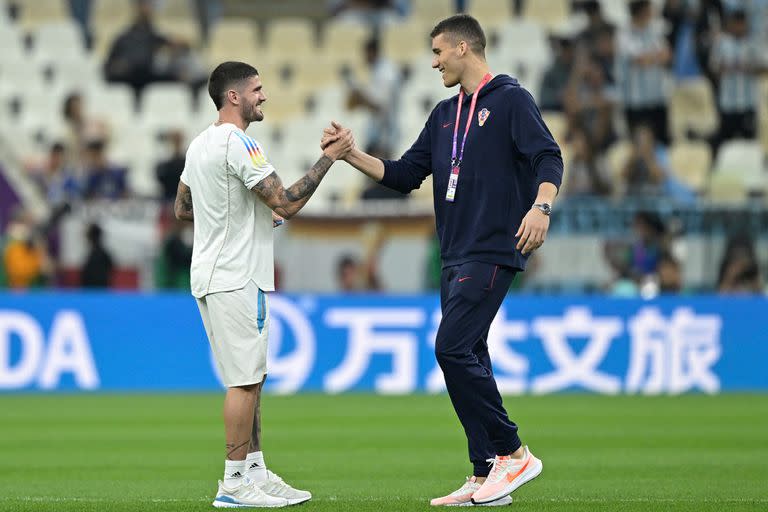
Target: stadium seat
x,y
743,160
726,188
404,42
518,34
617,156
232,39
692,107
11,43
491,14
113,102
187,30
113,12
54,39
38,12
691,162
166,106
763,114
285,103
345,37
314,71
430,12
18,72
294,36
177,10
548,13
71,72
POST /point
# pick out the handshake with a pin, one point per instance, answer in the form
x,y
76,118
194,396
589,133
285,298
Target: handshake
x,y
337,142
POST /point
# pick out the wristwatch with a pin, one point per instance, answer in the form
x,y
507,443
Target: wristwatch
x,y
545,208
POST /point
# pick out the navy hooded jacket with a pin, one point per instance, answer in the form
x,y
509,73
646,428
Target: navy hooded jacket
x,y
504,162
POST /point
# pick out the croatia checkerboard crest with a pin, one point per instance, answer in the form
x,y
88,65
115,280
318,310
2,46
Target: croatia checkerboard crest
x,y
482,116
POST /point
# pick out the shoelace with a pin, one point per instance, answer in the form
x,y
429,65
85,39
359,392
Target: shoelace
x,y
498,467
276,485
251,488
464,488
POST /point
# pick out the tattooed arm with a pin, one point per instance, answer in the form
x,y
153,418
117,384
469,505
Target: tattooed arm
x,y
183,205
287,202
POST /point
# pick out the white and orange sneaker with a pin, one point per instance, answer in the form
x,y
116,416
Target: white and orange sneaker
x,y
462,497
507,474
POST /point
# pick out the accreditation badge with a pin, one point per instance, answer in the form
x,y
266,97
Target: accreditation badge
x,y
453,181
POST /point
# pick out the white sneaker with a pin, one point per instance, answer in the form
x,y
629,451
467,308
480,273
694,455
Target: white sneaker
x,y
245,495
275,486
462,497
507,474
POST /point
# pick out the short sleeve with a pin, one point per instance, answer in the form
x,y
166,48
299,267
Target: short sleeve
x,y
184,176
248,160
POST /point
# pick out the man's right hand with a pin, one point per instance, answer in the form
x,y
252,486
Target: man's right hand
x,y
337,142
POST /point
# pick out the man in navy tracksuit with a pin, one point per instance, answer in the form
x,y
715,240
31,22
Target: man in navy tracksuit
x,y
496,170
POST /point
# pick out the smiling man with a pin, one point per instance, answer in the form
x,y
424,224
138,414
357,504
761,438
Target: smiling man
x,y
229,189
496,170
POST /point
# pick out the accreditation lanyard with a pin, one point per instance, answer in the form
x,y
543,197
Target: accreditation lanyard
x,y
453,179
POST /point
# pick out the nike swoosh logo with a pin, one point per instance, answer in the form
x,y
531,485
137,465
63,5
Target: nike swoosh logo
x,y
462,279
446,125
510,477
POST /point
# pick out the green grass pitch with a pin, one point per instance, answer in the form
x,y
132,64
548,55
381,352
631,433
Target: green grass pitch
x,y
372,453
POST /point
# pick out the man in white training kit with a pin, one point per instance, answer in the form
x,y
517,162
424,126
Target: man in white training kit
x,y
230,190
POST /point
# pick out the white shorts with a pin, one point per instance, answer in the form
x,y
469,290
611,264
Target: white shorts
x,y
237,325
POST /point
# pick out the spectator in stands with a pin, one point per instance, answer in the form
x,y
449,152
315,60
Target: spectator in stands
x,y
379,98
80,128
177,255
737,63
670,274
739,267
141,55
643,174
556,77
683,19
589,102
81,13
97,269
596,23
622,283
56,179
642,62
103,180
604,53
168,171
588,174
25,255
355,275
648,244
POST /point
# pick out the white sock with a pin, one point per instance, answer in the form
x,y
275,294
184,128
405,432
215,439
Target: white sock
x,y
234,471
255,468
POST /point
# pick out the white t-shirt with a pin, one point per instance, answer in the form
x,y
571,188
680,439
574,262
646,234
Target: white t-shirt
x,y
233,227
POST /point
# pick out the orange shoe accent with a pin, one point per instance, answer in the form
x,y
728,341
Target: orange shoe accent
x,y
512,477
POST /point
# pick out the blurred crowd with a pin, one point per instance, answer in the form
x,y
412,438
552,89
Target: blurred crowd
x,y
606,95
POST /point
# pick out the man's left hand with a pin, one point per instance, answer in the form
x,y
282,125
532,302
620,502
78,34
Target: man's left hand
x,y
533,231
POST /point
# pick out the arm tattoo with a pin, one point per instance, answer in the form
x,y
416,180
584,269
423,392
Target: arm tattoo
x,y
287,202
183,206
307,185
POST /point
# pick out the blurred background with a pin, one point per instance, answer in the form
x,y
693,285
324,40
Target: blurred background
x,y
660,108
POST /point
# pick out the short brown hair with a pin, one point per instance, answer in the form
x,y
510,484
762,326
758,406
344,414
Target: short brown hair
x,y
462,27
